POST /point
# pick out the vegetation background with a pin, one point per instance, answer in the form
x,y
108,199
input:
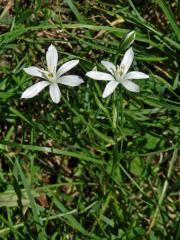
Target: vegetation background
x,y
90,168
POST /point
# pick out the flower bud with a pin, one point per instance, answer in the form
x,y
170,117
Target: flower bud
x,y
127,40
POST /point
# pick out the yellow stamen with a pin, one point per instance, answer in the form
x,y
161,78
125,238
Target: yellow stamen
x,y
120,70
50,75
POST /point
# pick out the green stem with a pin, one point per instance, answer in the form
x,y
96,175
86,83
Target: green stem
x,y
118,105
122,116
115,127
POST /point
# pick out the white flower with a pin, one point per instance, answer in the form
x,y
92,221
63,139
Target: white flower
x,y
52,76
118,75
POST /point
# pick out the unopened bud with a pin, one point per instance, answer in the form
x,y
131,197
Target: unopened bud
x,y
127,40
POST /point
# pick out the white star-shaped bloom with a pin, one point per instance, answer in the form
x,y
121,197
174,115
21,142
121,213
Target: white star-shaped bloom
x,y
118,75
52,77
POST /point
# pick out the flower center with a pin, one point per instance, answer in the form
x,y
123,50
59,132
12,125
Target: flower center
x,y
120,72
50,75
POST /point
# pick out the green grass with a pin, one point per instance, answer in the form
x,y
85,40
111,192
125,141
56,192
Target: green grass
x,y
88,167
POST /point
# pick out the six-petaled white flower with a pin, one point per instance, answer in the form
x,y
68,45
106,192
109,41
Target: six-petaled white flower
x,y
118,75
52,76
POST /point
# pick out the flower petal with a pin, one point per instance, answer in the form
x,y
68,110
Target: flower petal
x,y
127,60
34,71
55,92
70,80
136,75
66,67
131,86
96,75
110,87
52,58
109,66
34,89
